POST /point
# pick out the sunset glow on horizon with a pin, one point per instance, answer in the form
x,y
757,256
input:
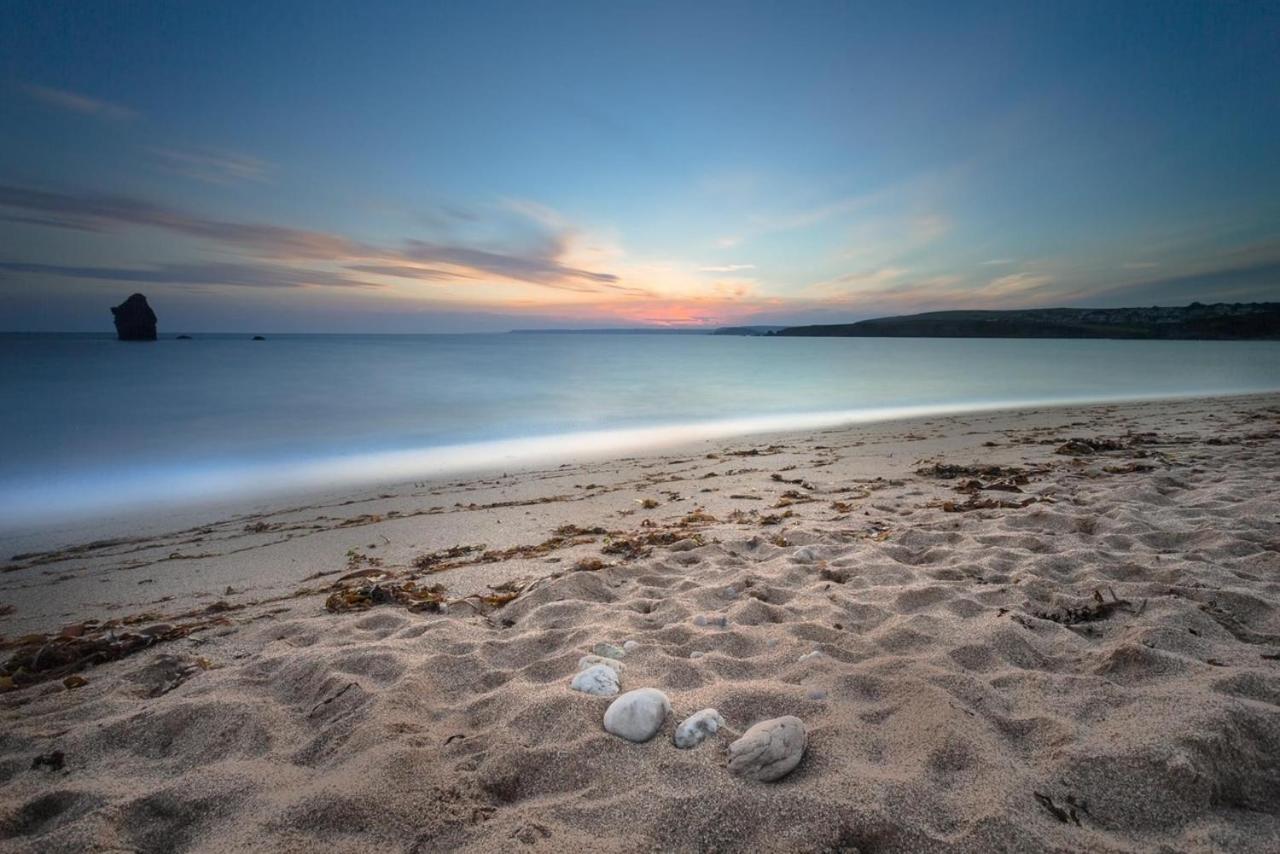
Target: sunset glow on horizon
x,y
486,166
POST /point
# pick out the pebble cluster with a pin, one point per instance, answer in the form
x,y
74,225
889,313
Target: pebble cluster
x,y
767,751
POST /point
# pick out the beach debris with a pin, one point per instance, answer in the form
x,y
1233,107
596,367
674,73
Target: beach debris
x,y
694,729
1080,447
637,715
588,564
1098,609
600,680
649,503
1068,815
608,650
54,761
41,657
973,502
811,655
590,660
74,681
166,672
770,750
950,471
432,560
641,545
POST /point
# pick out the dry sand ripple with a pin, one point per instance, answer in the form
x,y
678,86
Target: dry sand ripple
x,y
1094,670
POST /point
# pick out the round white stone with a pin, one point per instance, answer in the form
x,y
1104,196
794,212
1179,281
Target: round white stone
x,y
630,645
694,729
599,680
637,715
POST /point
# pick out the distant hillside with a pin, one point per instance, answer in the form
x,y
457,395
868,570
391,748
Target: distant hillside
x,y
616,330
747,330
1222,321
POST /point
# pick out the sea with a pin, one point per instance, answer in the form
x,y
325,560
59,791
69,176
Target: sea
x,y
91,426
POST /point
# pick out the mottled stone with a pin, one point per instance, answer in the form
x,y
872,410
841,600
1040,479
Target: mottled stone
x,y
769,750
598,680
608,650
694,729
592,660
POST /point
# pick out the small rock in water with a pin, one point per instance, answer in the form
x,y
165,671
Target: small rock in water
x,y
608,650
719,620
694,729
592,660
630,645
637,715
769,750
599,680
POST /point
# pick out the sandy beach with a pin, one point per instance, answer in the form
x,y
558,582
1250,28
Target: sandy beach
x,y
1045,630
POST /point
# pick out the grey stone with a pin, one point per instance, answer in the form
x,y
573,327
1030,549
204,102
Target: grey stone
x,y
694,729
769,750
637,715
599,680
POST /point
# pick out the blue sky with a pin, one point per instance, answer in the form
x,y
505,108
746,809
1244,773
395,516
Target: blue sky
x,y
475,166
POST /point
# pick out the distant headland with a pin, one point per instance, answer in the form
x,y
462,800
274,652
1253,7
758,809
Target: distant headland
x,y
1220,321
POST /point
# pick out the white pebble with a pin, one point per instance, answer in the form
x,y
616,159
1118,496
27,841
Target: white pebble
x,y
697,653
597,680
695,728
630,645
817,653
637,715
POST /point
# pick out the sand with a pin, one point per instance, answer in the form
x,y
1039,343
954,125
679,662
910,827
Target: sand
x,y
1080,655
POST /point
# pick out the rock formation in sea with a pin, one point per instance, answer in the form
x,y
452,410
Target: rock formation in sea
x,y
135,321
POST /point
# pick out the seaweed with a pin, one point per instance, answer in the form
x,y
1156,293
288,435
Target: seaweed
x,y
950,471
1099,609
431,560
41,657
1066,816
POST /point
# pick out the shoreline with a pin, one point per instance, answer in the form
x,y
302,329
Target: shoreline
x,y
952,573
323,478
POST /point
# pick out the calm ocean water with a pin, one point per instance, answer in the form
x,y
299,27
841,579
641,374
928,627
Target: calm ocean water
x,y
90,425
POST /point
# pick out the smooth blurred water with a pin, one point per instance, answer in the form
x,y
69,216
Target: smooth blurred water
x,y
89,424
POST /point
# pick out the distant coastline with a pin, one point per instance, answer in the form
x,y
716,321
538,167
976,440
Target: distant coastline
x,y
1220,321
1254,321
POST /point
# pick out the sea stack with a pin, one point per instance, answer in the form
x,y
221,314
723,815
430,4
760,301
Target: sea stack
x,y
135,321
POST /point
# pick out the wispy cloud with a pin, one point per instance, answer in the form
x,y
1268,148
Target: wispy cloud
x,y
206,273
727,268
999,262
213,167
540,264
78,103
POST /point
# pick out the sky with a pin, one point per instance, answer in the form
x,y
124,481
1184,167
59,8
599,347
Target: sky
x,y
482,166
